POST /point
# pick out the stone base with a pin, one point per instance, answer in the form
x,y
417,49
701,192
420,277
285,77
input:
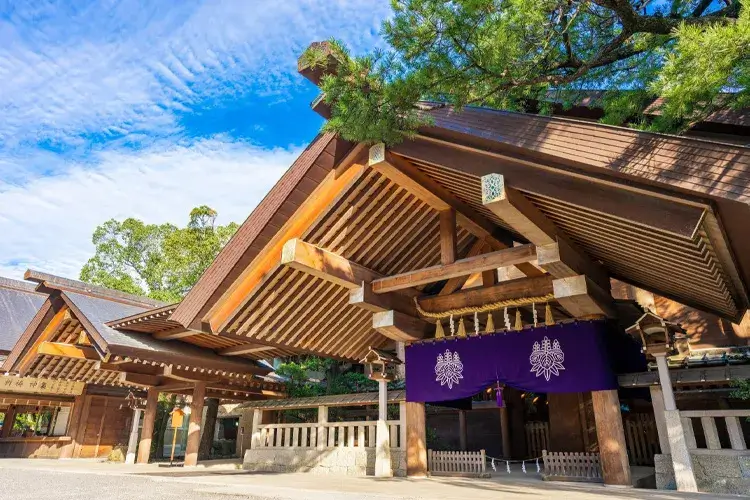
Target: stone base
x,y
338,461
721,472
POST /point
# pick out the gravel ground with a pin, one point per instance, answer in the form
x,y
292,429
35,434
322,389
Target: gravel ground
x,y
18,484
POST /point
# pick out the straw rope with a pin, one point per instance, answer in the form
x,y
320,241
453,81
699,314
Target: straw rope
x,y
526,301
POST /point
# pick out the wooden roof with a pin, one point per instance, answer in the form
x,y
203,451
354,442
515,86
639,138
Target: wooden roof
x,y
664,213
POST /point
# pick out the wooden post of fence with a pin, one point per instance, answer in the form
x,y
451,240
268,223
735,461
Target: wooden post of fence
x,y
322,421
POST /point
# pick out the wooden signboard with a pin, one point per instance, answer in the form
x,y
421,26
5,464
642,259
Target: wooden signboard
x,y
32,385
177,418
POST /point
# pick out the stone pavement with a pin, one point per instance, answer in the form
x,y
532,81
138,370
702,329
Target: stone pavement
x,y
220,481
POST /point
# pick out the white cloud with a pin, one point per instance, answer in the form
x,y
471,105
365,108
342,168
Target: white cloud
x,y
127,68
47,224
88,79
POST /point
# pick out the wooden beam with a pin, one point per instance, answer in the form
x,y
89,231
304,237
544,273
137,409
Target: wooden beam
x,y
174,334
562,261
516,211
364,298
139,379
129,368
448,236
186,375
432,193
525,287
463,267
324,264
67,351
519,213
239,350
219,316
453,284
581,297
399,326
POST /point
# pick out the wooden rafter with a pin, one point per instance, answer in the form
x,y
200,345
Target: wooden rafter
x,y
242,289
463,267
409,177
448,236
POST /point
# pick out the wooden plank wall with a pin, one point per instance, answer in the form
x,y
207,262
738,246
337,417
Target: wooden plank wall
x,y
105,426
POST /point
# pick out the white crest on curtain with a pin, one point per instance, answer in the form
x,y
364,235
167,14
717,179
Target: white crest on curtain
x,y
449,369
547,359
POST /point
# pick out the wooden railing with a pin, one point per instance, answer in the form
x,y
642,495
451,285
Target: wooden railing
x,y
325,435
457,463
583,467
708,420
537,438
642,438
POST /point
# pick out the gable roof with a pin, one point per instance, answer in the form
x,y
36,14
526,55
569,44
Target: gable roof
x,y
19,303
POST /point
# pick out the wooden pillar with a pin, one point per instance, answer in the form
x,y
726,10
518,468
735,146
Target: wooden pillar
x,y
147,431
194,427
505,431
448,236
383,466
613,451
462,429
416,440
322,437
133,438
10,418
677,434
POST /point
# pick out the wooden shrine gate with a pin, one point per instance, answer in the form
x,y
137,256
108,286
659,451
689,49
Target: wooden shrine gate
x,y
641,437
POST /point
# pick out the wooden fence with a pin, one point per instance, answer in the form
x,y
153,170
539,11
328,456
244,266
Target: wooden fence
x,y
457,463
642,438
537,438
581,467
324,435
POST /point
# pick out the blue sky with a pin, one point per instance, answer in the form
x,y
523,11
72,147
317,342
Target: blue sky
x,y
149,108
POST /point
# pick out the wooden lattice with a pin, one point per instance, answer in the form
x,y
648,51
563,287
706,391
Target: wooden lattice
x,y
564,466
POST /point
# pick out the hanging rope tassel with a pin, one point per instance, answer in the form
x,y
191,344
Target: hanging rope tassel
x,y
538,470
490,324
476,323
461,328
453,326
523,467
507,466
506,318
493,465
519,321
536,316
549,320
439,332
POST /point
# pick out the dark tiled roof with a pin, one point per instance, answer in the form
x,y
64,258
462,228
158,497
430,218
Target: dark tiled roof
x,y
18,305
99,310
66,283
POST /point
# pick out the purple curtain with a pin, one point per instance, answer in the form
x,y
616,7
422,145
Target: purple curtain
x,y
571,357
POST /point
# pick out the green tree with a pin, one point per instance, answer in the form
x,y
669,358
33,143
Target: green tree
x,y
520,54
160,261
